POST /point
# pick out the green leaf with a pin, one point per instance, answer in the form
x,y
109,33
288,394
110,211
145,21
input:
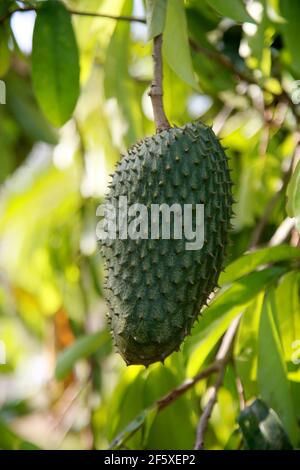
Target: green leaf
x,y
156,17
233,9
224,308
5,6
262,428
126,404
250,261
260,43
117,82
22,104
136,394
55,62
245,346
290,30
129,430
164,432
271,371
288,312
234,440
176,48
82,348
4,52
9,440
293,196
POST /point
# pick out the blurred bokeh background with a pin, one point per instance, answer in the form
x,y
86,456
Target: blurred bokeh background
x,y
61,383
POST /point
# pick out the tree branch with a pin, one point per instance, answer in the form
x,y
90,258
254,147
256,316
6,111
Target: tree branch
x,y
185,386
156,90
135,19
223,357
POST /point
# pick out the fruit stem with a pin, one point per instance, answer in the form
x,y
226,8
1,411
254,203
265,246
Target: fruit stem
x,y
156,90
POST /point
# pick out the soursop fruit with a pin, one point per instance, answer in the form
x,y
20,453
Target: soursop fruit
x,y
155,288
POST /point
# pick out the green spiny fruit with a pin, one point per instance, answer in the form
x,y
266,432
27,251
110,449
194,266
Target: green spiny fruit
x,y
155,288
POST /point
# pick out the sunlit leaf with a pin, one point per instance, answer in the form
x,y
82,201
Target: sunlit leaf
x,y
233,9
175,45
245,347
288,312
164,432
83,347
21,102
293,196
218,316
4,52
271,371
55,62
290,30
122,90
156,17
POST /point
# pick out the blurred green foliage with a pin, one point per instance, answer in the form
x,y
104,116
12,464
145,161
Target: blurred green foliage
x,y
233,64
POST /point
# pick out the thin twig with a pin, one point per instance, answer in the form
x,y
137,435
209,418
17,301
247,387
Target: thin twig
x,y
240,391
156,90
203,422
135,19
223,357
257,232
186,385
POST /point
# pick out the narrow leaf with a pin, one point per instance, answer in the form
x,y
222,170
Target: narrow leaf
x,y
22,104
55,62
4,52
117,82
156,17
233,9
220,313
250,261
176,45
288,312
82,348
290,30
129,430
272,373
293,196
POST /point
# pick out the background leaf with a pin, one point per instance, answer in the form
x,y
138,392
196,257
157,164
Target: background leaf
x,y
250,261
293,196
55,62
288,317
116,66
291,13
271,371
156,17
262,429
217,317
175,45
12,441
84,347
233,9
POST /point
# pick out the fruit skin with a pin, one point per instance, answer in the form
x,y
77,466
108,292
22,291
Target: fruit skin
x,y
155,288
